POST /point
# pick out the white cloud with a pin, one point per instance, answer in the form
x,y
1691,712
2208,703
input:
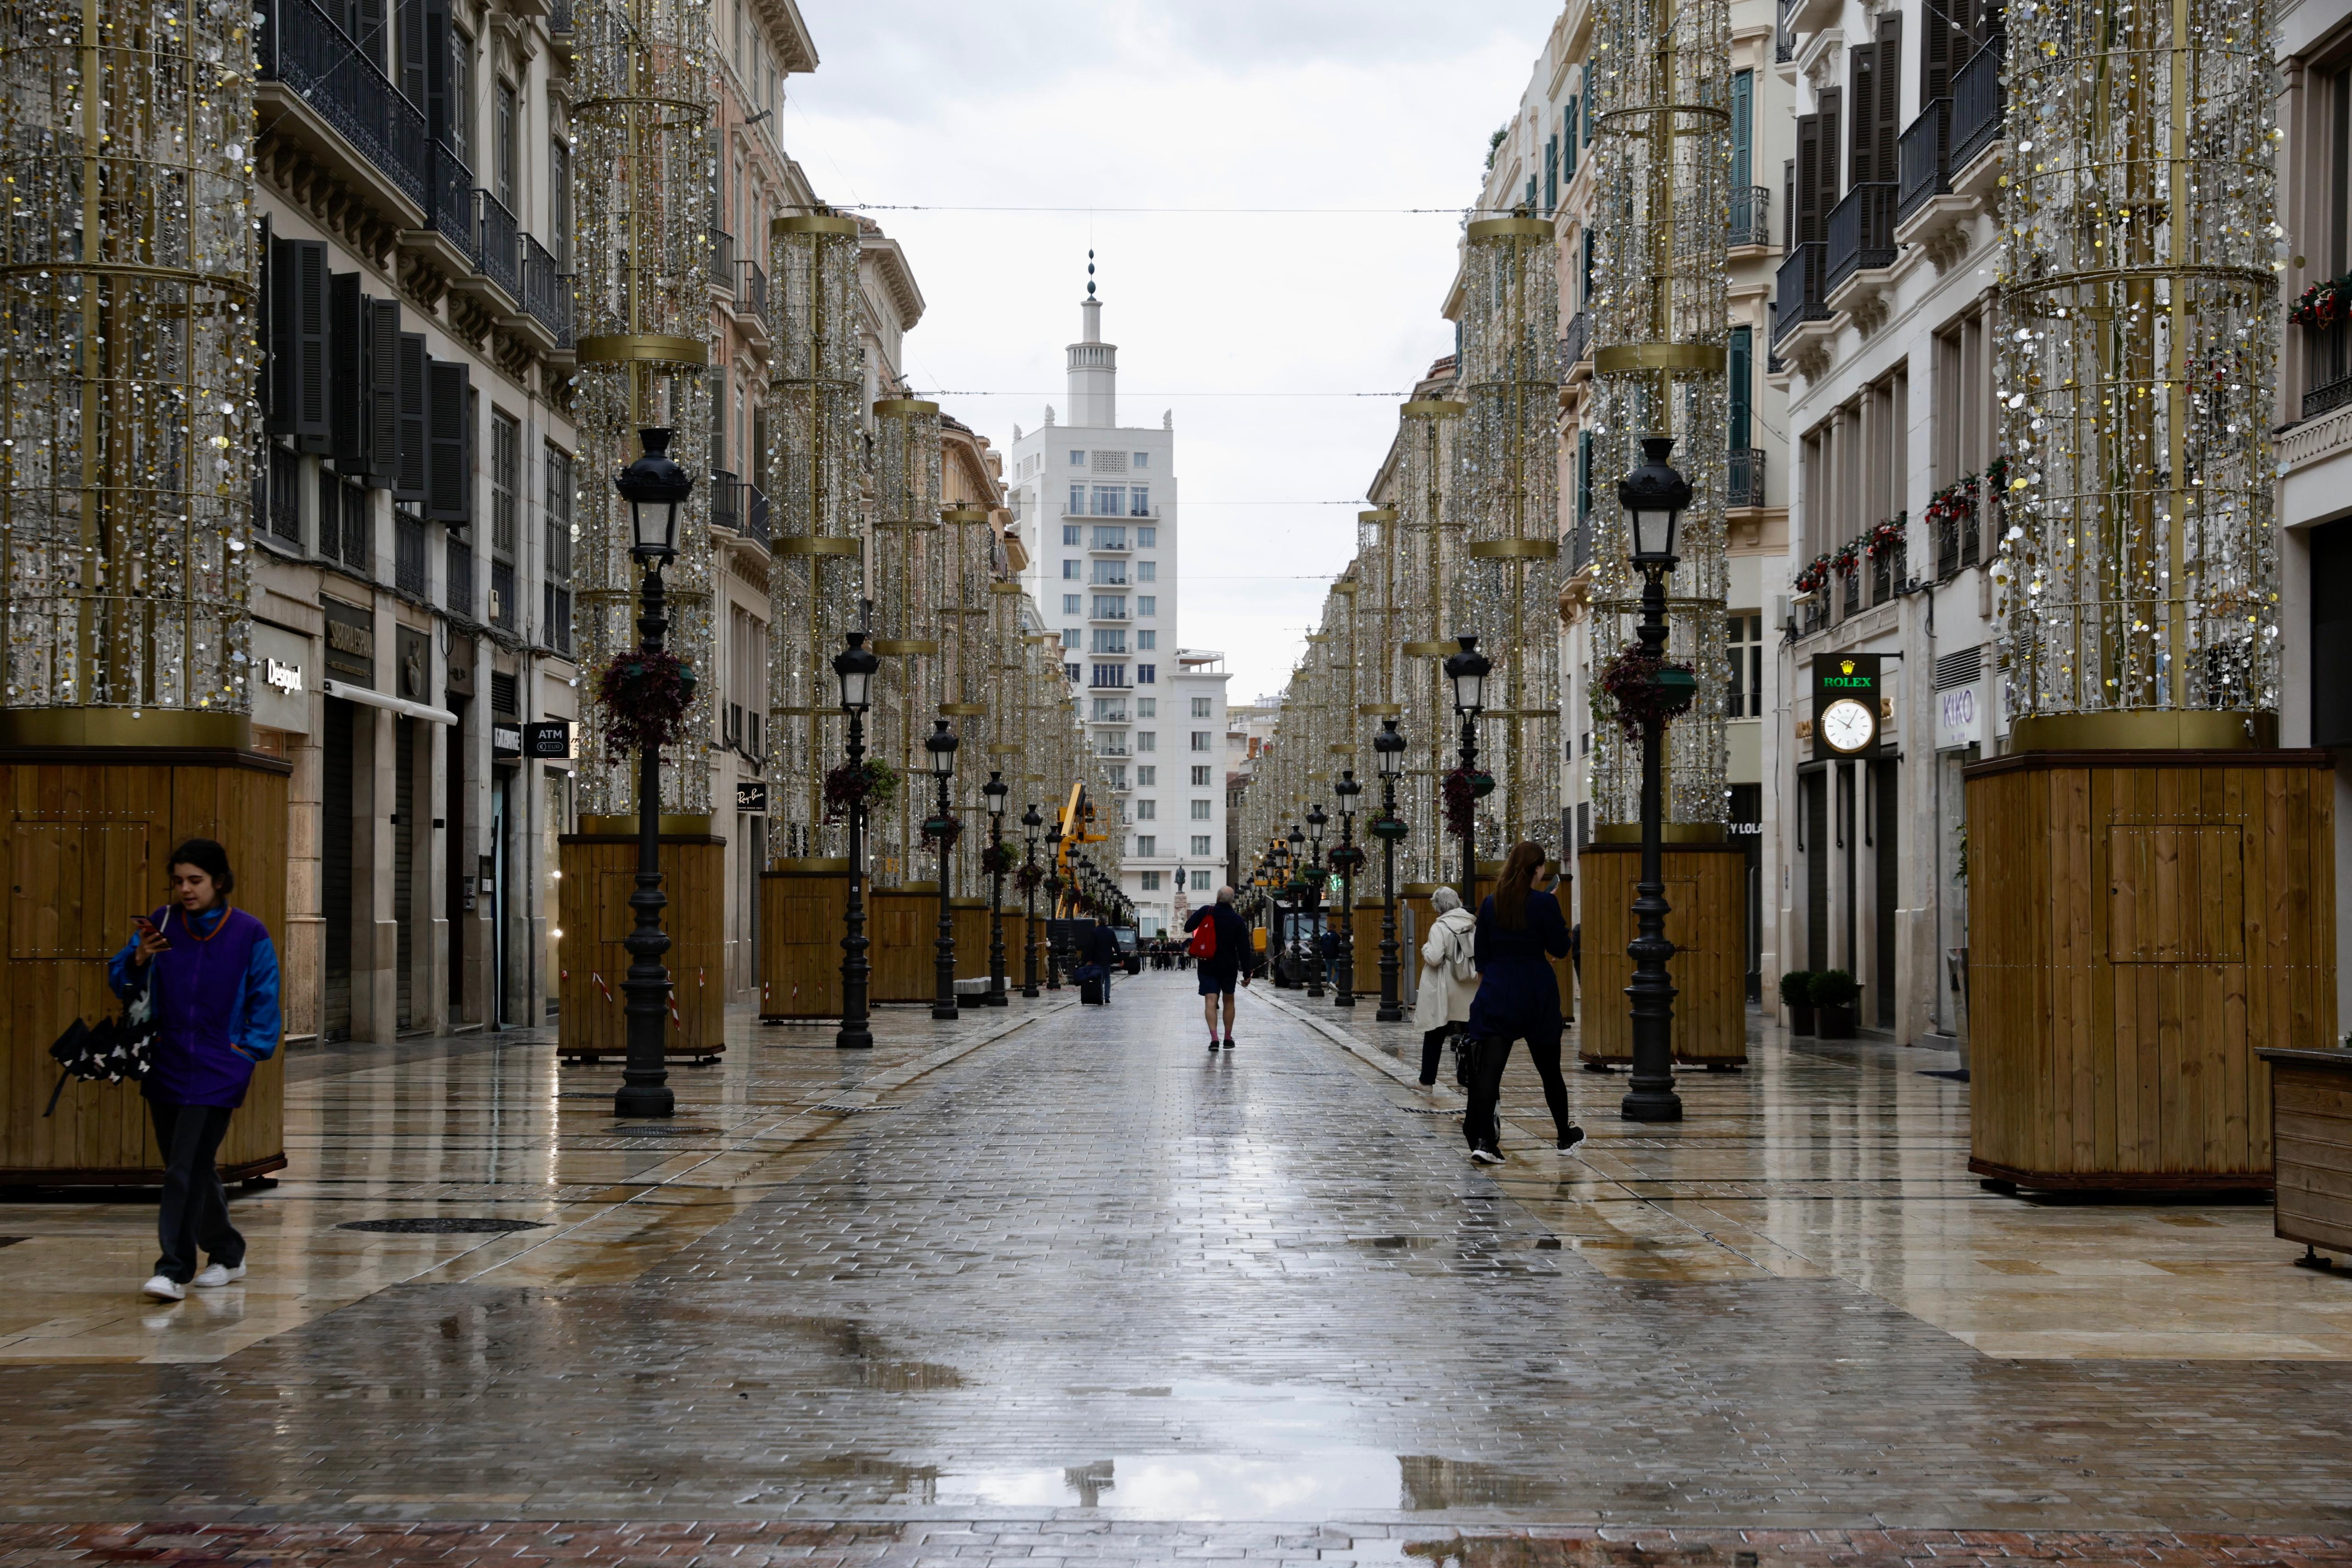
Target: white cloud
x,y
1201,103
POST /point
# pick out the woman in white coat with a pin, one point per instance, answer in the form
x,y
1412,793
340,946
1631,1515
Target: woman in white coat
x,y
1449,977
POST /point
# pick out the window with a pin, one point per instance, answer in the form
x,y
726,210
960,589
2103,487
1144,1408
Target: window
x,y
1139,500
1743,694
1109,675
1147,571
1070,602
1200,844
1147,604
1146,776
1740,372
559,201
1109,573
1146,846
1109,639
1200,740
1146,640
1147,708
1070,638
1077,500
1551,174
1110,710
505,149
1110,539
556,610
1743,130
506,479
1110,608
1072,533
1147,740
1568,143
1077,459
1200,811
1110,500
1143,459
1146,538
1070,569
1147,810
1151,881
1200,708
461,96
1200,775
1147,674
1071,672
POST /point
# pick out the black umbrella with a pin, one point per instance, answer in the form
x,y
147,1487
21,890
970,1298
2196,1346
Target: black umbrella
x,y
115,1049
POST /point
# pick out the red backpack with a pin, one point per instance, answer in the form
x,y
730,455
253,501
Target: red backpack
x,y
1204,938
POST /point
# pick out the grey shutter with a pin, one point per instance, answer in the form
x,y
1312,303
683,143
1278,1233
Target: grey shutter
x,y
1806,208
450,490
436,40
1827,104
264,333
1942,37
1887,124
412,51
383,392
1862,157
408,476
347,391
298,343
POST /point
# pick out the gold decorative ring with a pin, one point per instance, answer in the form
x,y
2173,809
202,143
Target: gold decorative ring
x,y
623,348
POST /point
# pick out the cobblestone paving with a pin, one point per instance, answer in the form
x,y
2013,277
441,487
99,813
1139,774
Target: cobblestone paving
x,y
1090,1277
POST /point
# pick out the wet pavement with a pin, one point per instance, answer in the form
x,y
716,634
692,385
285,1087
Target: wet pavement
x,y
1042,1283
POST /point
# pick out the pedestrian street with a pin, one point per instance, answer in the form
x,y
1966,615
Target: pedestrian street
x,y
1060,1267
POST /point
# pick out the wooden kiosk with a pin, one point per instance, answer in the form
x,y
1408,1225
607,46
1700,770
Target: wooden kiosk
x,y
1706,895
95,803
803,907
599,873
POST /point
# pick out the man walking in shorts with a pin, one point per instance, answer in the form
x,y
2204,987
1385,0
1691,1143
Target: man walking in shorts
x,y
1228,965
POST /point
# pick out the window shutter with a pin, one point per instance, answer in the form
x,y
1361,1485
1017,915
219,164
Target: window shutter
x,y
1743,130
1887,127
265,332
1788,203
1862,162
408,478
347,391
436,41
1739,367
1832,128
298,348
383,392
1939,41
412,51
450,489
1807,207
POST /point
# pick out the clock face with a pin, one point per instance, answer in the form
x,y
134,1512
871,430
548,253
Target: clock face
x,y
1847,725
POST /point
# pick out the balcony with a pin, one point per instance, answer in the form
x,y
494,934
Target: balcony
x,y
1110,752
755,513
457,591
1109,542
726,502
1798,17
1862,233
408,553
546,294
1926,149
1744,478
1957,541
1798,295
449,203
555,620
1114,716
1119,617
1145,513
1106,580
497,244
504,612
1978,104
1752,216
1579,546
338,88
559,20
722,259
751,291
1576,344
1108,680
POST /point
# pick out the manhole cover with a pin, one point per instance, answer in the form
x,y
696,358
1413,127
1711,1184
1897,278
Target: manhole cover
x,y
441,1224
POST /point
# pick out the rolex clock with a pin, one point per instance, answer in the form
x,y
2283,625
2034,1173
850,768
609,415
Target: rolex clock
x,y
1846,705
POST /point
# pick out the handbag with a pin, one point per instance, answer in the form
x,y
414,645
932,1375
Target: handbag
x,y
1205,939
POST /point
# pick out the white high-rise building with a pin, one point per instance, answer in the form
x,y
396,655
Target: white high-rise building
x,y
1097,505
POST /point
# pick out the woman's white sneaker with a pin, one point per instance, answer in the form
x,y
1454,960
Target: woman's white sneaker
x,y
214,1276
163,1289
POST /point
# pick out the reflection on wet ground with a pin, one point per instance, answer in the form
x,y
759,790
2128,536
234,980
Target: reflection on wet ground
x,y
1085,1270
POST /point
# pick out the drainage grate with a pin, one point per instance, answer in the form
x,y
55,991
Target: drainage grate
x,y
832,1110
1431,1110
441,1224
657,1129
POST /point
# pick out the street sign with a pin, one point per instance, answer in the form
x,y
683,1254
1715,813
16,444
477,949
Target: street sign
x,y
548,740
752,796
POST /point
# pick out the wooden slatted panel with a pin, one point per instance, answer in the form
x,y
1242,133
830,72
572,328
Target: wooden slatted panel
x,y
905,926
2141,926
801,915
2312,1103
599,875
1706,890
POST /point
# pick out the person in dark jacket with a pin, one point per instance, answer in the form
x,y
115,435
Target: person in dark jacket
x,y
213,981
1520,931
1229,965
1101,950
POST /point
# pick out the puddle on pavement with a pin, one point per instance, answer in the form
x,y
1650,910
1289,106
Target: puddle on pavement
x,y
1321,1484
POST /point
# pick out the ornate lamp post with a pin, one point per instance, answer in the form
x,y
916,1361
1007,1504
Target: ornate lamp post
x,y
1316,823
1294,863
655,487
1467,670
1030,823
1344,860
993,792
1054,906
941,743
1653,496
856,666
1388,749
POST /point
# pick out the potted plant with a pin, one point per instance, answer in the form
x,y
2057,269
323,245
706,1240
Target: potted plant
x,y
1797,996
1834,992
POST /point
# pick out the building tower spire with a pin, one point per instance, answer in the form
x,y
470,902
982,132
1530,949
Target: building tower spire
x,y
1094,363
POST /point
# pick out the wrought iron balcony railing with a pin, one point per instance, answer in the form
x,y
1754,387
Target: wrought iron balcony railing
x,y
1799,294
1576,342
755,513
1751,216
1862,232
449,196
457,591
1927,149
502,593
726,502
546,293
722,258
302,47
497,244
1744,478
408,553
752,289
2327,369
1977,102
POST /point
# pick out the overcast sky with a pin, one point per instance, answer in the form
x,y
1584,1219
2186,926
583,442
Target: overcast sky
x,y
1295,104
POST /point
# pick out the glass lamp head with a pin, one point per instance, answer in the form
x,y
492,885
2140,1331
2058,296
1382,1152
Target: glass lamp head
x,y
655,487
993,792
1388,747
856,666
1653,497
941,743
1468,670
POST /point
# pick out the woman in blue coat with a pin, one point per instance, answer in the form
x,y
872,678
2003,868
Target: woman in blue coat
x,y
1520,931
213,983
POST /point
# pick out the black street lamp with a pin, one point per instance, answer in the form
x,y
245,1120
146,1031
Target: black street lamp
x,y
1654,496
655,487
856,666
1030,823
1316,823
941,743
1467,670
1294,863
994,793
1388,750
1054,905
1344,859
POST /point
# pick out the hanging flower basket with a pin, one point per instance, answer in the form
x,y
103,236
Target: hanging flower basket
x,y
1847,561
1814,576
1647,689
1028,879
1392,829
873,783
644,697
1462,791
941,832
1887,539
2323,304
999,860
1347,859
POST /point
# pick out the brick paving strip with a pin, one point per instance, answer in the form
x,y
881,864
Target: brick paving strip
x,y
1090,1541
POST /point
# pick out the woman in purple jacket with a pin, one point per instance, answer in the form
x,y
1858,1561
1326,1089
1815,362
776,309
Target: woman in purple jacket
x,y
214,993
